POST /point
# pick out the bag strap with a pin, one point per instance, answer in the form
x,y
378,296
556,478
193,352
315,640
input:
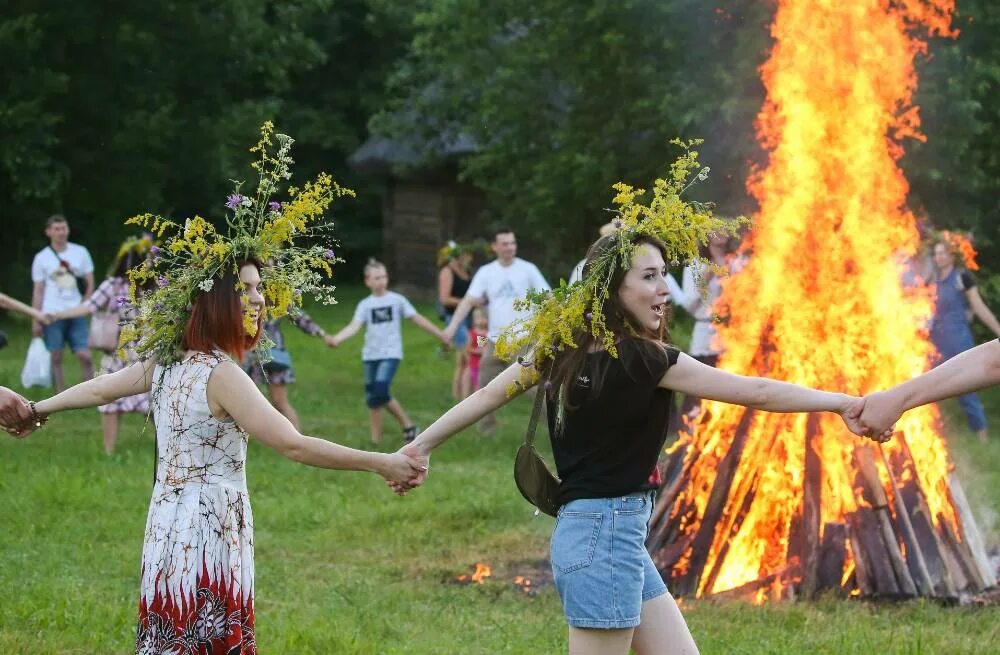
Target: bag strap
x,y
62,262
529,438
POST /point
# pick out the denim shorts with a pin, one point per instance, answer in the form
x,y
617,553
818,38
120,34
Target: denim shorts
x,y
602,571
72,331
378,377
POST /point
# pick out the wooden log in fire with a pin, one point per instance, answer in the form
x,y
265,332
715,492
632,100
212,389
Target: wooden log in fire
x,y
746,591
832,557
705,536
881,577
972,539
875,494
914,556
808,546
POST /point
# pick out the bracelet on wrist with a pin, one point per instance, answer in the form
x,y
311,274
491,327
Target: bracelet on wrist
x,y
37,420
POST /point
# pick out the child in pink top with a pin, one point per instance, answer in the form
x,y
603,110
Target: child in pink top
x,y
476,345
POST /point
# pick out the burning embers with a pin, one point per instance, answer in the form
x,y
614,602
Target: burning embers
x,y
772,505
479,573
528,585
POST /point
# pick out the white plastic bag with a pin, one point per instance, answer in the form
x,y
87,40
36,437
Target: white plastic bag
x,y
37,371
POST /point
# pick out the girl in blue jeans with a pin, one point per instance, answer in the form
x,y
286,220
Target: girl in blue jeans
x,y
608,420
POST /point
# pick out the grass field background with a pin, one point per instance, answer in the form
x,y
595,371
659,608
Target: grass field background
x,y
343,566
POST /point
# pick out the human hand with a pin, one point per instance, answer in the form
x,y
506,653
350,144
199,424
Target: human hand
x,y
444,339
448,333
46,319
15,414
878,413
400,470
415,453
330,341
36,328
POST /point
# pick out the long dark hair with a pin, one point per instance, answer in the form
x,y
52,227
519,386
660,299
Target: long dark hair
x,y
639,341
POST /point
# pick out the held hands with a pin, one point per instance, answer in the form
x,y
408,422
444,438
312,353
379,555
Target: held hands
x,y
877,414
423,461
851,411
15,414
330,341
401,471
444,339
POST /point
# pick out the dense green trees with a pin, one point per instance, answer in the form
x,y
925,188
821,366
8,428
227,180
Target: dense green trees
x,y
112,108
109,109
563,99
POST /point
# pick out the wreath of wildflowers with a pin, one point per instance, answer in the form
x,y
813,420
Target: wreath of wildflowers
x,y
136,247
552,317
194,256
453,249
959,244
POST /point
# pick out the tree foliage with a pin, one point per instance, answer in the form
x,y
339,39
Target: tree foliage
x,y
562,99
151,107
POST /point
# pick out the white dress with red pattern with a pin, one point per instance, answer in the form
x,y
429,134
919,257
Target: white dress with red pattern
x,y
197,557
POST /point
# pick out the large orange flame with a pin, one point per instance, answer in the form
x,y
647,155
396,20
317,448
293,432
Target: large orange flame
x,y
821,301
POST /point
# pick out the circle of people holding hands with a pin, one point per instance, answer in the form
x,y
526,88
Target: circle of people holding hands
x,y
608,398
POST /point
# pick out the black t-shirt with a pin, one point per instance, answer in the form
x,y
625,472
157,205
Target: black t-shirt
x,y
610,443
965,279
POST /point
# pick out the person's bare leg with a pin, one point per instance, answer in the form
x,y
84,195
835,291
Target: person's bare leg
x,y
279,398
375,416
109,426
57,370
490,366
456,377
663,629
399,413
86,364
466,380
983,435
598,641
461,383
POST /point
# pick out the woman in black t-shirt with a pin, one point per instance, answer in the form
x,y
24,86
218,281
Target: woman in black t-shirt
x,y
609,417
454,277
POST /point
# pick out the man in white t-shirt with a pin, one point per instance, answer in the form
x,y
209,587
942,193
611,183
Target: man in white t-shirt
x,y
54,272
497,284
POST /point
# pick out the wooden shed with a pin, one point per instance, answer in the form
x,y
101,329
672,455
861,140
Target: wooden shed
x,y
423,208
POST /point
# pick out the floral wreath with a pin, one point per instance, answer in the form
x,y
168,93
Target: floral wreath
x,y
554,316
196,256
452,250
133,251
958,243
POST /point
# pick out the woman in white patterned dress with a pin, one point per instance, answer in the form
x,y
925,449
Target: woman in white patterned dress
x,y
197,593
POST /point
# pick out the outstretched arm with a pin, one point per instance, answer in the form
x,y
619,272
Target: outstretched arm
x,y
970,371
463,309
349,331
17,306
238,396
692,377
430,328
483,401
137,378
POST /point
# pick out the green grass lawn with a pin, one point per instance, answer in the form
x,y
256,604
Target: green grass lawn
x,y
343,566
